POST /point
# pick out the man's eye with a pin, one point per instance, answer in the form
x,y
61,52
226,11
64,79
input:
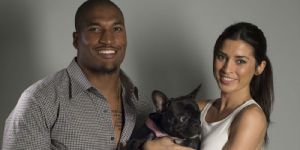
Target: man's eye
x,y
117,29
94,29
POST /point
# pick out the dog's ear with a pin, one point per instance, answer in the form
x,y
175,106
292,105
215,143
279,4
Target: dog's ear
x,y
194,93
159,100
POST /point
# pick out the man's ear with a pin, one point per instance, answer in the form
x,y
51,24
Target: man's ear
x,y
75,39
260,68
159,100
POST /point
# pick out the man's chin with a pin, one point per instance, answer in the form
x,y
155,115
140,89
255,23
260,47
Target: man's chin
x,y
105,70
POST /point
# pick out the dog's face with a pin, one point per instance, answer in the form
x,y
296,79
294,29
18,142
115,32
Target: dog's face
x,y
180,117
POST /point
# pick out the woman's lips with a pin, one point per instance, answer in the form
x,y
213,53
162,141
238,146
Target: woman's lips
x,y
226,80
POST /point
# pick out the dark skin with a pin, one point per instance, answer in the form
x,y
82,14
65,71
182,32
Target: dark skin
x,y
101,43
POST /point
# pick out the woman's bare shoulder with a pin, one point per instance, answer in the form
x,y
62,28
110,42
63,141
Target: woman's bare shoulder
x,y
248,129
252,113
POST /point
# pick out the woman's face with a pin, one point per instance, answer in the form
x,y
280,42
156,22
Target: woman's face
x,y
234,66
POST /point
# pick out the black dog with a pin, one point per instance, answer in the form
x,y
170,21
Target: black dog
x,y
178,118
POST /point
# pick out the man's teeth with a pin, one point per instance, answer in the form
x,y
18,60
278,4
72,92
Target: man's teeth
x,y
107,52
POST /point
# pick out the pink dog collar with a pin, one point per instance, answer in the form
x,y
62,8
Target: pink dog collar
x,y
151,125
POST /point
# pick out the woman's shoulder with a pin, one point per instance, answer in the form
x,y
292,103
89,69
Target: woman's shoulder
x,y
251,116
252,112
248,128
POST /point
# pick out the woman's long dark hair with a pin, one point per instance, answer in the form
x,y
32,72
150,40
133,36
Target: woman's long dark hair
x,y
261,86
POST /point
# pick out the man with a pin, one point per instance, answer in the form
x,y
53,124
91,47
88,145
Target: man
x,y
91,104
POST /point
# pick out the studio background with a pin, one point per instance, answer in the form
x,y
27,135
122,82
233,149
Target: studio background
x,y
170,46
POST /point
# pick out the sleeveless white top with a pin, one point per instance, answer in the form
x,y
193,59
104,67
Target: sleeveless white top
x,y
215,135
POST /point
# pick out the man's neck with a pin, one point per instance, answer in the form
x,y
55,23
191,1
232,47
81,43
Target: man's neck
x,y
107,84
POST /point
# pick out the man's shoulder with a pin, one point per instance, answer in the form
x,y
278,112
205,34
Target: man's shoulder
x,y
49,85
40,99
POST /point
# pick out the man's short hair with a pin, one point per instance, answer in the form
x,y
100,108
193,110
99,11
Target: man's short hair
x,y
82,9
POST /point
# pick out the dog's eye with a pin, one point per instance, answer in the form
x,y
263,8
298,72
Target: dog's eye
x,y
183,118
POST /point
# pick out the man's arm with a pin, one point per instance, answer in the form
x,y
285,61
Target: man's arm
x,y
26,126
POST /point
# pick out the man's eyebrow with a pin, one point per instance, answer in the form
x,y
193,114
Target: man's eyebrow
x,y
97,24
119,22
93,24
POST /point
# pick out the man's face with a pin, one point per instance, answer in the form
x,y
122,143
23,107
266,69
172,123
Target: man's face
x,y
101,40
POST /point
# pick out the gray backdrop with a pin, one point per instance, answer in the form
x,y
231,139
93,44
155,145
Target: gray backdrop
x,y
170,46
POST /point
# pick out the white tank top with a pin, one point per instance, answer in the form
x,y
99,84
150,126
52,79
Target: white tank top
x,y
215,135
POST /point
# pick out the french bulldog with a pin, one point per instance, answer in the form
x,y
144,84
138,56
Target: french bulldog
x,y
178,118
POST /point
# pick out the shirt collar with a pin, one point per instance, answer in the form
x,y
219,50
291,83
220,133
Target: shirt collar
x,y
128,86
79,82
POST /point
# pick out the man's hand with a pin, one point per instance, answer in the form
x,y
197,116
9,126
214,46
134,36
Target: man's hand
x,y
164,143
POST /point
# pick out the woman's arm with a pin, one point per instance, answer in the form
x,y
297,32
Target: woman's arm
x,y
248,130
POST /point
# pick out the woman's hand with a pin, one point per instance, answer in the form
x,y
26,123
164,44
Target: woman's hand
x,y
164,143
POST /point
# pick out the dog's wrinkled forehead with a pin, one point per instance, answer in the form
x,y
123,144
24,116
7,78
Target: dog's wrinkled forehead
x,y
162,102
180,105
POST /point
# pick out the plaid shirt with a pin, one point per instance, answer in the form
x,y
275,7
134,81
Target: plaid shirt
x,y
65,111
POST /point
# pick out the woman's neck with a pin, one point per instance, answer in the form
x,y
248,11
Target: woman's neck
x,y
230,101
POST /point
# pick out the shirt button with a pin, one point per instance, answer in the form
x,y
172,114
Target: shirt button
x,y
112,138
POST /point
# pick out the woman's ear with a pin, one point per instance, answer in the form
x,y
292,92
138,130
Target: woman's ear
x,y
260,68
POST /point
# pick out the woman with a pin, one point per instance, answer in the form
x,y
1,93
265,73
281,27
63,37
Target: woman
x,y
240,117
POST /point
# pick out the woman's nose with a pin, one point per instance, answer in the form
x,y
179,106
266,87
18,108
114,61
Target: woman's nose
x,y
228,66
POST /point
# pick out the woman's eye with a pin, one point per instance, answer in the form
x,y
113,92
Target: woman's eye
x,y
240,61
220,57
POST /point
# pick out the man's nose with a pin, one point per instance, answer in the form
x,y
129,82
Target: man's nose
x,y
106,38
